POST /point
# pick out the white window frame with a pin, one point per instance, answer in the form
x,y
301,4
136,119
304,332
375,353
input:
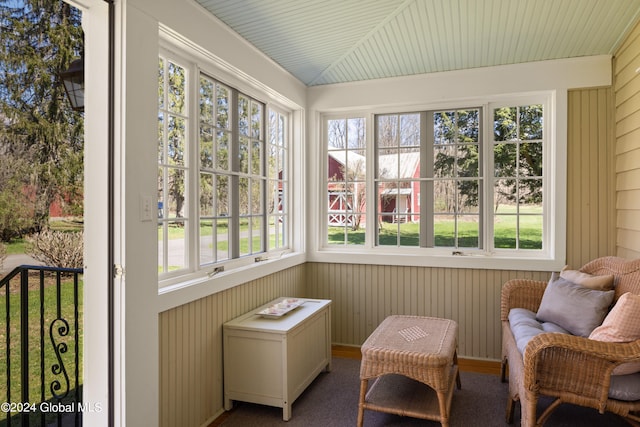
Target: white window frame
x,y
187,165
426,163
550,203
341,195
283,241
554,190
227,273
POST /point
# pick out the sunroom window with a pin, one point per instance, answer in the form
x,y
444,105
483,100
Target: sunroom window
x,y
232,173
222,173
428,179
346,185
517,188
457,181
173,166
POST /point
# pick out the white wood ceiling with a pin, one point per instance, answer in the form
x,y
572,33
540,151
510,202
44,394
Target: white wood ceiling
x,y
334,41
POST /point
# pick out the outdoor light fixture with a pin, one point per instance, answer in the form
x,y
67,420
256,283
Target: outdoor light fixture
x,y
73,80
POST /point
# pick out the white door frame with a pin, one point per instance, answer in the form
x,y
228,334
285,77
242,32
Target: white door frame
x,y
97,242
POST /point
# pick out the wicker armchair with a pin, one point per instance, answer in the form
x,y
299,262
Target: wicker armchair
x,y
570,368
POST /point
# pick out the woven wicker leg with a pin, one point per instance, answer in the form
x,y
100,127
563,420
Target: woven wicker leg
x,y
363,392
547,412
444,413
511,406
455,362
633,421
503,370
528,406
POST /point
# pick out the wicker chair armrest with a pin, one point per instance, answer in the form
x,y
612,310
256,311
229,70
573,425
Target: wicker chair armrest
x,y
521,293
577,365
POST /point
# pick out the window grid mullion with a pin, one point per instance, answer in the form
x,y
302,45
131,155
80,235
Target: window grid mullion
x,y
234,179
192,172
426,185
372,177
264,179
456,187
481,178
517,160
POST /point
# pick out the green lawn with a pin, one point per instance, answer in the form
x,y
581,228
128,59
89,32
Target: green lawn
x,y
505,232
54,333
67,224
177,232
17,246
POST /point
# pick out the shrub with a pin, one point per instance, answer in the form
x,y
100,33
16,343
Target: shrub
x,y
3,255
15,213
57,248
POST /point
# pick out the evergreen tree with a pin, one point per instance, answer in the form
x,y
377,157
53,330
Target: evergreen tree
x,y
39,38
518,154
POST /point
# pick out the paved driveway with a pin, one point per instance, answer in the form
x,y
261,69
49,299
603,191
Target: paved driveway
x,y
13,261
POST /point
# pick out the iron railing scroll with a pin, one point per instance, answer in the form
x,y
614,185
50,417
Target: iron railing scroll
x,y
41,339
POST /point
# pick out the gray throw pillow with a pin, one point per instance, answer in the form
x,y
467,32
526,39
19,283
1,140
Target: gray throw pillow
x,y
577,309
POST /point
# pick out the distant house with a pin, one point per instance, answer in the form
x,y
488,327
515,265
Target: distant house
x,y
345,194
397,201
59,207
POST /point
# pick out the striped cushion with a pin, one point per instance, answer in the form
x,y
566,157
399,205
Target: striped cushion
x,y
622,324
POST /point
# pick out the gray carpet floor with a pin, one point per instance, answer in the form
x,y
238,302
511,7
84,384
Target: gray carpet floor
x,y
332,400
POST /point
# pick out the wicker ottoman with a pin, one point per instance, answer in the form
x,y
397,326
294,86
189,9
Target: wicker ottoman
x,y
404,353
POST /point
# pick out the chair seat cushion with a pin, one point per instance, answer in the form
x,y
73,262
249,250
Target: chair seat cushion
x,y
525,326
625,387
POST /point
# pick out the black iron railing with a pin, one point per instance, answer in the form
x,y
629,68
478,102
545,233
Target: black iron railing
x,y
41,342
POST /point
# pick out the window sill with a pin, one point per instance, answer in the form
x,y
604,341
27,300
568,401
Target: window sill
x,y
175,295
412,258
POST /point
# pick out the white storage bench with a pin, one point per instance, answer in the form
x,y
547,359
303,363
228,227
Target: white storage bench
x,y
271,359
